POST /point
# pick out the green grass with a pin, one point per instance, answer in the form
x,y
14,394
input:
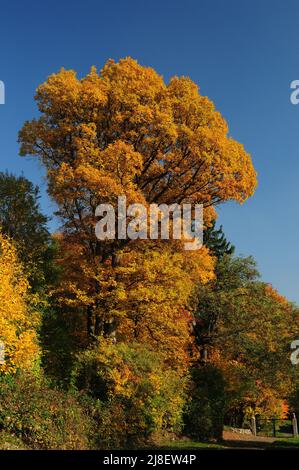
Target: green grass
x,y
279,443
192,445
290,442
11,442
185,444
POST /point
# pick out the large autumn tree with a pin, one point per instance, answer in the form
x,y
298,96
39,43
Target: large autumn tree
x,y
124,131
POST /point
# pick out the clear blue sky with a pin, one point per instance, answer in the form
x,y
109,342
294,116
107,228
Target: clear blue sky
x,y
242,54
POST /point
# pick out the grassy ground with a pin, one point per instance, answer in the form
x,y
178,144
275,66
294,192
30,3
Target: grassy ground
x,y
10,442
189,445
234,443
291,442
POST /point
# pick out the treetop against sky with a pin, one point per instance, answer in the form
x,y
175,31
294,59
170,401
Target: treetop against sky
x,y
243,57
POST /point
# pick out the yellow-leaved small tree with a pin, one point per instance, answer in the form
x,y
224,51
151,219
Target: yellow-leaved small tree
x,y
18,316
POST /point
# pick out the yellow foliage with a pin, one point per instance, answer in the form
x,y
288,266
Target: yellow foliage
x,y
126,125
18,320
124,131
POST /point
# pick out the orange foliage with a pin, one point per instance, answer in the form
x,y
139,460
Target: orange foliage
x,y
123,131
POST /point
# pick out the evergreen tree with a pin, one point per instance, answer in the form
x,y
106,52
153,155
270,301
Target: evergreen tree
x,y
215,240
22,221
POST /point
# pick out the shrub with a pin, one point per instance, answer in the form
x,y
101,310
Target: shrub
x,y
132,393
205,411
43,418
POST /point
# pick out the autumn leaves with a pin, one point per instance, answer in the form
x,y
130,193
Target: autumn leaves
x,y
127,304
19,318
124,132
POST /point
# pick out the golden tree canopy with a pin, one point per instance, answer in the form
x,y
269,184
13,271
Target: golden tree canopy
x,y
124,131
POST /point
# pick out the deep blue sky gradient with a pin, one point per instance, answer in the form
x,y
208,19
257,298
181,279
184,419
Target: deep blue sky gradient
x,y
242,54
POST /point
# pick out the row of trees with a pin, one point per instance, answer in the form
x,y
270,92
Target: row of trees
x,y
149,337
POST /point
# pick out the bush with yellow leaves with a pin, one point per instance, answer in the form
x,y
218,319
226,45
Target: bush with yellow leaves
x,y
19,318
133,394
